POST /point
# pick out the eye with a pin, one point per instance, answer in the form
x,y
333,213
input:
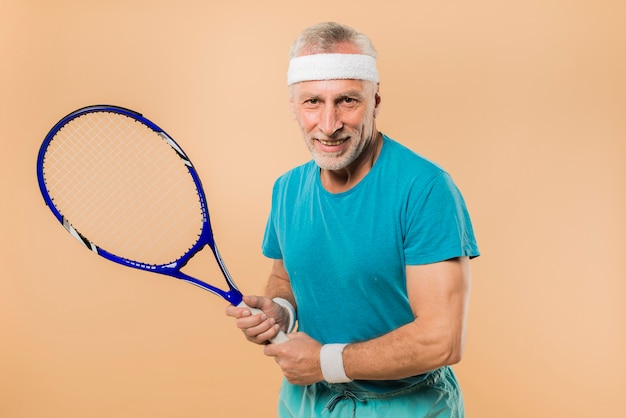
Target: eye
x,y
348,101
311,101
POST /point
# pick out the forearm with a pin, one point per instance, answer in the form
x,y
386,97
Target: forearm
x,y
278,284
439,295
404,352
277,288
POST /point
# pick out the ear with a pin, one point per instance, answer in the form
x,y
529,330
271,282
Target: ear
x,y
377,101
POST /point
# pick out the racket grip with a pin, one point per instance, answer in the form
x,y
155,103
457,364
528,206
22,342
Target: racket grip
x,y
281,337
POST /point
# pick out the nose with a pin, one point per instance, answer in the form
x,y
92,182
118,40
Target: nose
x,y
330,120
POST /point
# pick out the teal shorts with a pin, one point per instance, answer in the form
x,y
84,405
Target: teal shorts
x,y
438,396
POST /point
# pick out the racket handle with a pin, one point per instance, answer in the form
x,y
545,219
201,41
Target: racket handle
x,y
281,337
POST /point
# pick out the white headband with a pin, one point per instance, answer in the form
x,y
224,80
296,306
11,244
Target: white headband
x,y
332,67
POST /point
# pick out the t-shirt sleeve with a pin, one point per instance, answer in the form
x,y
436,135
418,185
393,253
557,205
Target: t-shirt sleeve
x,y
437,224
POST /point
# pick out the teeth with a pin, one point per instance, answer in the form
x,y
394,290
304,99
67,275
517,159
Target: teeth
x,y
331,143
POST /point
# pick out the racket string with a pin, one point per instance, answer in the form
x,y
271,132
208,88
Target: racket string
x,y
124,188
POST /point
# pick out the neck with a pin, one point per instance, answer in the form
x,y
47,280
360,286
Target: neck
x,y
337,181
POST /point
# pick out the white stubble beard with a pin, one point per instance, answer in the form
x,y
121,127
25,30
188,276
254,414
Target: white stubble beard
x,y
338,160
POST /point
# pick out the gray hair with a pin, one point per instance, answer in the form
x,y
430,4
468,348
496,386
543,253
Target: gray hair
x,y
323,37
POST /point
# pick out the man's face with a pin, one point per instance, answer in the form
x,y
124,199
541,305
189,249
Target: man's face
x,y
337,119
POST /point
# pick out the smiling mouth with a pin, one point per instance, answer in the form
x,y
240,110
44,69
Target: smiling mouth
x,y
332,143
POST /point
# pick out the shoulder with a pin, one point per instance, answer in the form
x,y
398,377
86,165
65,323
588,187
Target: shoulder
x,y
404,164
399,152
296,178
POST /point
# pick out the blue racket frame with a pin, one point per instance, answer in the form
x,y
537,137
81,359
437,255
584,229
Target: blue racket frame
x,y
173,269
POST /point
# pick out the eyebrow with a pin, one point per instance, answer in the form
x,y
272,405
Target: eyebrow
x,y
352,93
342,94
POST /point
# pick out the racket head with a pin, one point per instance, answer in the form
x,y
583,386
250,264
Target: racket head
x,y
127,191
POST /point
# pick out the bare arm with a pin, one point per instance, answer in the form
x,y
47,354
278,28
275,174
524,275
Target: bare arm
x,y
439,297
278,284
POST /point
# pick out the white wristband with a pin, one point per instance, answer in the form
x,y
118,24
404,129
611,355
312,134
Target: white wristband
x,y
292,312
331,360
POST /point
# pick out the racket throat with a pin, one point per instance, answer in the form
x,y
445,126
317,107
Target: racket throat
x,y
233,296
199,263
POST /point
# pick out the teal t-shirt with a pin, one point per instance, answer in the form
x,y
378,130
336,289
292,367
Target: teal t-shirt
x,y
346,253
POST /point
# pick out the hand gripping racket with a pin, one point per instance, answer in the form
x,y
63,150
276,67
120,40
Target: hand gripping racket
x,y
125,190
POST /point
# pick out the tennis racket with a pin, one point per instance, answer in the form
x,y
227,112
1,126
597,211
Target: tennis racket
x,y
125,190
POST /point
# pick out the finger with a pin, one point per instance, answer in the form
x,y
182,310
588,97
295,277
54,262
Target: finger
x,y
257,324
235,312
247,321
254,301
272,350
264,332
266,337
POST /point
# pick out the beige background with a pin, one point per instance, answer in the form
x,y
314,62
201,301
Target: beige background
x,y
524,102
